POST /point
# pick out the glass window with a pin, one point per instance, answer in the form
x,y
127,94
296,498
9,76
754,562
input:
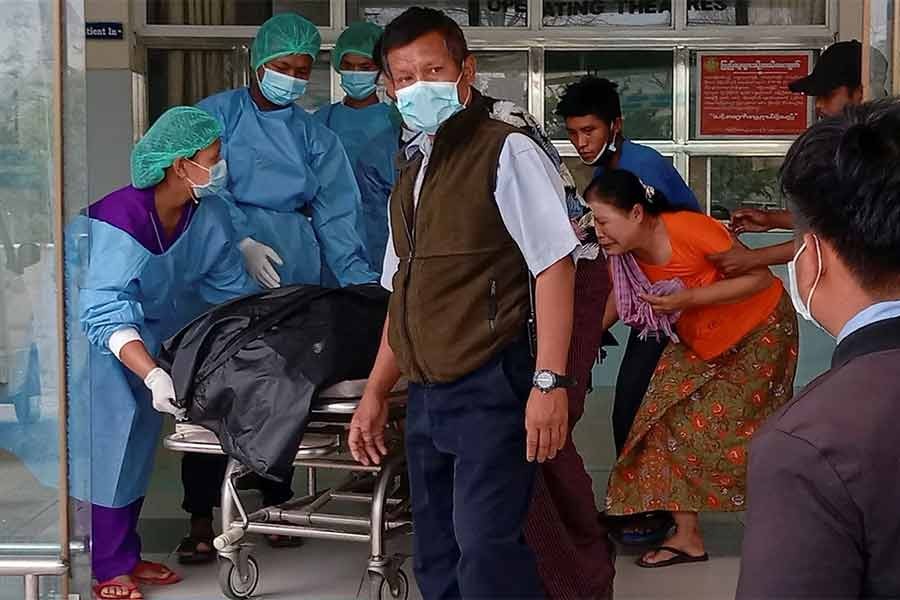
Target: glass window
x,y
884,49
580,13
468,13
318,93
30,286
756,12
184,77
727,183
503,75
645,88
232,12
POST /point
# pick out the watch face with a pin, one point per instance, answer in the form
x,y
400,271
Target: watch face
x,y
544,380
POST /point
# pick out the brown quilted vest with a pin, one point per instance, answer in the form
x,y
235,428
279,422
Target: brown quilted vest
x,y
461,292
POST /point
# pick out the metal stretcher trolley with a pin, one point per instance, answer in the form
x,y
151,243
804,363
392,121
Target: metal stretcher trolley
x,y
384,488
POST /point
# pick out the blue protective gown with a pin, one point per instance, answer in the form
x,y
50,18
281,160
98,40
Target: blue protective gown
x,y
371,138
115,283
280,163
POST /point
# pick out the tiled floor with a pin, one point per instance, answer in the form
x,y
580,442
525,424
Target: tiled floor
x,y
325,570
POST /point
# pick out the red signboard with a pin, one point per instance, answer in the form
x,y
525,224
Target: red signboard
x,y
747,95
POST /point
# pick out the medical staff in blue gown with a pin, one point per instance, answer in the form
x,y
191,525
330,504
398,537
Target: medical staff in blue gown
x,y
293,198
368,128
294,204
142,259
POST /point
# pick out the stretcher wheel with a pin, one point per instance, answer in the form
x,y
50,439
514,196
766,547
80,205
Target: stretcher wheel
x,y
381,589
230,579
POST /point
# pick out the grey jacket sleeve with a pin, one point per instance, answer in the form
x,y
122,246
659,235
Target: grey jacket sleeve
x,y
802,537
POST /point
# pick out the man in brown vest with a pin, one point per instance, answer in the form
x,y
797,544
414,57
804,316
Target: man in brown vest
x,y
823,487
477,209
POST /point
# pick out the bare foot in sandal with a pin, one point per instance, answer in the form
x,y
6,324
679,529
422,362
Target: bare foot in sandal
x,y
197,547
118,588
152,573
685,545
195,551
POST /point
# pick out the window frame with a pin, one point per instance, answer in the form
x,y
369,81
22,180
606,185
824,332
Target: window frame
x,y
537,39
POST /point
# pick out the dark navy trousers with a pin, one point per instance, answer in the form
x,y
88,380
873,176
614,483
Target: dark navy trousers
x,y
635,373
471,485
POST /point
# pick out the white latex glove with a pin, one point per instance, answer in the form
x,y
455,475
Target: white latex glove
x,y
259,258
163,389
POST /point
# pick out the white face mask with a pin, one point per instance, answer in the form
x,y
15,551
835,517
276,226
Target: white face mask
x,y
608,149
803,307
218,180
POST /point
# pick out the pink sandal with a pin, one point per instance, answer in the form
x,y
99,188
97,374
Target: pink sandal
x,y
115,590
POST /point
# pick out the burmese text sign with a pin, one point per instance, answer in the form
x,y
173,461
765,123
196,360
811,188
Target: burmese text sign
x,y
745,94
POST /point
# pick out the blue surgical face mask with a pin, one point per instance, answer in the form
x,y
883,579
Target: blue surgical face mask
x,y
359,85
218,179
426,105
281,89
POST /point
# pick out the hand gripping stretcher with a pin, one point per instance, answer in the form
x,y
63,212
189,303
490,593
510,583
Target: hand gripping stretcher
x,y
324,448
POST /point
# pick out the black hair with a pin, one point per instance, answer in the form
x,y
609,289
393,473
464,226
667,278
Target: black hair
x,y
591,96
842,181
623,189
416,22
377,58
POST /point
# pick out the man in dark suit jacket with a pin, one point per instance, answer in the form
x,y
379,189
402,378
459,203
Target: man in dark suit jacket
x,y
824,475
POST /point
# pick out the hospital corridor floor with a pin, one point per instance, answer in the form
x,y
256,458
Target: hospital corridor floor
x,y
326,570
330,570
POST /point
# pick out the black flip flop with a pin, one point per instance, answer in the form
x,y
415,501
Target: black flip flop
x,y
681,558
189,554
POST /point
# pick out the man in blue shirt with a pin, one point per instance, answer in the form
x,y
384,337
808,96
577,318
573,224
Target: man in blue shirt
x,y
593,115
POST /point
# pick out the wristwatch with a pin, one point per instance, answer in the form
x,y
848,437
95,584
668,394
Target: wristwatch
x,y
547,381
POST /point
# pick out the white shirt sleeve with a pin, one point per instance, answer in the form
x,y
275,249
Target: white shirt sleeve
x,y
119,339
391,262
532,203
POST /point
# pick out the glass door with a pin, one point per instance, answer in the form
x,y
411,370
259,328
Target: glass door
x,y
43,541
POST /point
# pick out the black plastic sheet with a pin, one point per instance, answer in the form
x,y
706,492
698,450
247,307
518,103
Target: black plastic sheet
x,y
250,369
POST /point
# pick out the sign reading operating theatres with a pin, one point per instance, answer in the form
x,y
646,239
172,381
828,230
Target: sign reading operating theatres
x,y
555,9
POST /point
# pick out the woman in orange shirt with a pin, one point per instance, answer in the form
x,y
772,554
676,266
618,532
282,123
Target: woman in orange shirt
x,y
732,367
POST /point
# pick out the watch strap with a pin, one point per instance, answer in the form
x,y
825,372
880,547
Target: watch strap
x,y
565,381
561,381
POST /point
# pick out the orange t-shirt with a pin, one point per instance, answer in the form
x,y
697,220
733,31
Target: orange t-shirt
x,y
712,329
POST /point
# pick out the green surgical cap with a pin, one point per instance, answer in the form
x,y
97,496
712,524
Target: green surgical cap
x,y
358,38
283,35
180,132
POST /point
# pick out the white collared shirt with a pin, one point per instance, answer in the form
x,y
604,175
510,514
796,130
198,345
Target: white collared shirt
x,y
529,195
881,311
